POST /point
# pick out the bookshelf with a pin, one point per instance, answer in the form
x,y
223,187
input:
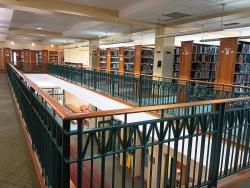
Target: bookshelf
x,y
121,60
147,61
242,65
114,55
138,60
45,56
176,65
39,57
129,56
204,60
53,57
102,59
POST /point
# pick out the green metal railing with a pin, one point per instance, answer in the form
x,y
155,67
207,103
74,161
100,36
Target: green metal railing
x,y
135,148
146,90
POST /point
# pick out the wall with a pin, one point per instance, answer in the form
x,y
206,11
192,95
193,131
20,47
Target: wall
x,y
77,55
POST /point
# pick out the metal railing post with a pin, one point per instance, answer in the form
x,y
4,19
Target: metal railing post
x,y
79,153
140,90
216,147
94,79
66,155
113,84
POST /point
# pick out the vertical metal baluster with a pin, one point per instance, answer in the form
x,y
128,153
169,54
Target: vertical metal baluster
x,y
66,155
124,153
79,153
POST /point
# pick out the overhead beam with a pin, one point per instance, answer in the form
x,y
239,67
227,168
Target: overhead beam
x,y
207,17
57,6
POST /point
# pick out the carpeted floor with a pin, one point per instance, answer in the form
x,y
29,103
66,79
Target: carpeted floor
x,y
16,169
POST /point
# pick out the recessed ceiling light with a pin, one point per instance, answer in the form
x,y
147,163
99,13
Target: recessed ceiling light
x,y
39,28
12,43
33,44
52,45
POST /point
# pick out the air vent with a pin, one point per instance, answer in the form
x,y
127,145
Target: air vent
x,y
175,15
230,24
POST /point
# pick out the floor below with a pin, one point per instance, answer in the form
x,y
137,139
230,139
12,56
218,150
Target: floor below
x,y
16,169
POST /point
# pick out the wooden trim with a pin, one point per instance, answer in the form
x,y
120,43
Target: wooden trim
x,y
108,60
121,60
186,60
227,59
137,63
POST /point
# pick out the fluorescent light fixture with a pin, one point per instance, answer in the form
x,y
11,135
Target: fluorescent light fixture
x,y
118,42
39,28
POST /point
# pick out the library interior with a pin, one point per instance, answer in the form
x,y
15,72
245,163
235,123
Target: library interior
x,y
124,94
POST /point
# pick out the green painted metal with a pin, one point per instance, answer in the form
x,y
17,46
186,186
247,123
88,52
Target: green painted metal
x,y
205,144
144,90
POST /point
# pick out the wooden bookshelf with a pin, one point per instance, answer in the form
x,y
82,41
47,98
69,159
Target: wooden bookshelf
x,y
26,59
121,66
137,63
147,61
204,60
114,56
102,58
242,65
33,60
227,60
6,56
108,60
186,60
53,57
176,65
129,56
45,56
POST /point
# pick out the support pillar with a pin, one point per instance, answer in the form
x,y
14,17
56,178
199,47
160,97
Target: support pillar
x,y
164,55
94,61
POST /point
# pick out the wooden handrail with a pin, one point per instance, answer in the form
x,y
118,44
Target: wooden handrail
x,y
59,109
151,108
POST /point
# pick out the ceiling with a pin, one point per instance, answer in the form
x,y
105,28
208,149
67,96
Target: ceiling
x,y
77,20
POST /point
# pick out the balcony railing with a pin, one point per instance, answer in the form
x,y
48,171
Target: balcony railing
x,y
145,90
135,147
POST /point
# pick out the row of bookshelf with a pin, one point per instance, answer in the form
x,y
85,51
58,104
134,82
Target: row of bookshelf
x,y
204,61
129,59
205,49
242,66
176,65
